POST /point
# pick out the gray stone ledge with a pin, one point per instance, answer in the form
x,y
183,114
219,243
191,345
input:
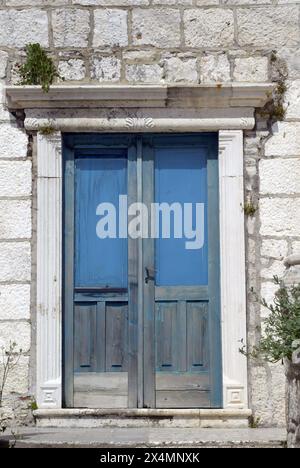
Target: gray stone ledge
x,y
215,95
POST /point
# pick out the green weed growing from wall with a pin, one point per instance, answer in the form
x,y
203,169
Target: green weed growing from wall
x,y
38,69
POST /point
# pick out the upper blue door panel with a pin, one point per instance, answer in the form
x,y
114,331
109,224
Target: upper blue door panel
x,y
181,181
99,262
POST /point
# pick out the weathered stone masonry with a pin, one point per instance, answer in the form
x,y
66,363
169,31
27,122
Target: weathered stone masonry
x,y
157,41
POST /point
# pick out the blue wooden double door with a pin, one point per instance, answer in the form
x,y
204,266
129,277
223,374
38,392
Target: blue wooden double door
x,y
141,271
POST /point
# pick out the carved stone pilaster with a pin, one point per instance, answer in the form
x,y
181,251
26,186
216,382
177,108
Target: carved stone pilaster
x,y
49,246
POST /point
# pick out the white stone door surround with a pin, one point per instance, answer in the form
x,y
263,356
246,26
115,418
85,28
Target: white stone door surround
x,y
228,110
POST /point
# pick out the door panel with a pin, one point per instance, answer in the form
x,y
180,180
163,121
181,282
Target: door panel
x,y
180,179
185,282
101,355
100,327
99,262
100,295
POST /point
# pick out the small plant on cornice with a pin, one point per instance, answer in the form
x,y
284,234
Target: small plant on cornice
x,y
249,208
47,130
253,422
33,405
38,69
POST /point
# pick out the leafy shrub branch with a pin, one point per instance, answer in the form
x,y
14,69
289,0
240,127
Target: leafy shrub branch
x,y
38,69
281,334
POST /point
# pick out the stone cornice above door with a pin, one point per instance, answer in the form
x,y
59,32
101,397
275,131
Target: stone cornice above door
x,y
145,108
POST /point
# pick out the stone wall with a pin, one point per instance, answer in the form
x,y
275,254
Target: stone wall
x,y
157,41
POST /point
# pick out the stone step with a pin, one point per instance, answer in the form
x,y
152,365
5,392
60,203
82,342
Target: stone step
x,y
149,438
142,418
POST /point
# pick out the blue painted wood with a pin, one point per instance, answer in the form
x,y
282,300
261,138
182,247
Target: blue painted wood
x,y
181,178
214,314
99,261
131,343
68,276
187,320
181,343
148,287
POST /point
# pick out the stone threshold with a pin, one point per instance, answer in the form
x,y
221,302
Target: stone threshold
x,y
146,437
142,418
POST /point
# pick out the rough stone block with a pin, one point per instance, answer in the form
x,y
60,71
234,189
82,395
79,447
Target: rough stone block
x,y
13,142
158,27
214,68
15,178
275,268
246,2
145,55
18,379
181,70
172,2
110,2
210,28
280,176
144,73
296,247
272,26
15,261
3,63
251,69
292,100
72,70
15,219
291,58
70,27
207,2
274,248
285,140
106,69
21,27
35,2
14,302
280,216
268,291
15,332
268,394
110,28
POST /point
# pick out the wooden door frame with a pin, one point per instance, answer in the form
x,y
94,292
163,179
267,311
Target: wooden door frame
x,y
141,347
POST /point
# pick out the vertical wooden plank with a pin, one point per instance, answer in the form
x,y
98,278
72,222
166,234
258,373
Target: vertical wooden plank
x,y
68,325
181,336
214,275
85,337
197,331
132,286
148,262
165,326
101,338
116,337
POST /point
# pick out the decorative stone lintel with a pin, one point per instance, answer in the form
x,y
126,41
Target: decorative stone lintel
x,y
140,120
221,95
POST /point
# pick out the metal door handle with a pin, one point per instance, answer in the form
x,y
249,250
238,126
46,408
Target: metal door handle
x,y
150,275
